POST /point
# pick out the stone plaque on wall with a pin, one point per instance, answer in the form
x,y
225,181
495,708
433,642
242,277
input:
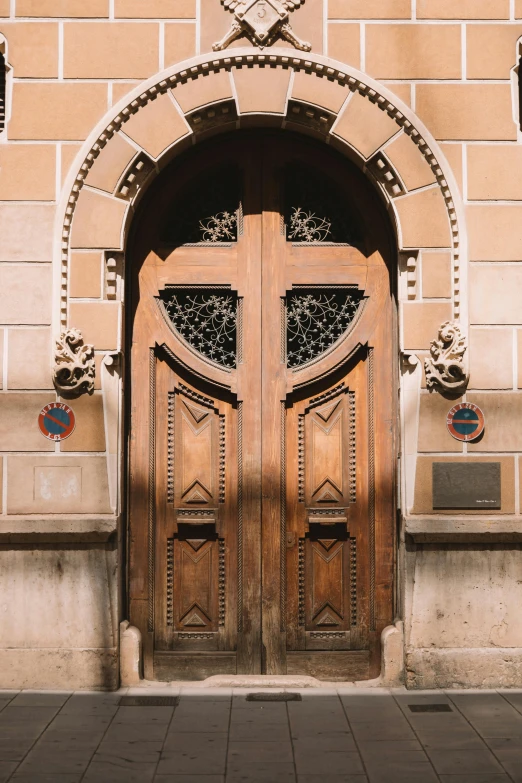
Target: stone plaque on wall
x,y
466,485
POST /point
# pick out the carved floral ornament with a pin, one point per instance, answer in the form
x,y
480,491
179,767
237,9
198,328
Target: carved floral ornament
x,y
446,369
74,366
262,21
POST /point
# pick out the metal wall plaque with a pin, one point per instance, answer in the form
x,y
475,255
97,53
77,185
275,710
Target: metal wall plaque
x,y
469,485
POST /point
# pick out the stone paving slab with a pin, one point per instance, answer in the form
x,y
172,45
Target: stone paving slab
x,y
216,735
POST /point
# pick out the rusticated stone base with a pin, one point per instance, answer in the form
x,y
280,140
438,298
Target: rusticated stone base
x,y
59,668
466,667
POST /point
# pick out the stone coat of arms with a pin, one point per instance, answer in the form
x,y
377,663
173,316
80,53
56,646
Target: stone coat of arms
x,y
262,21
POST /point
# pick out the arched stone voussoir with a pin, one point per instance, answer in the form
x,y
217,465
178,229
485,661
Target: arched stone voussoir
x,y
98,221
241,88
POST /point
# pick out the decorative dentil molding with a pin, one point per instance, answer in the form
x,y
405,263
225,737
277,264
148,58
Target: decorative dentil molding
x,y
74,367
446,369
262,21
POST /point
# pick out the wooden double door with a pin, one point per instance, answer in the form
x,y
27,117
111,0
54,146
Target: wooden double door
x,y
261,459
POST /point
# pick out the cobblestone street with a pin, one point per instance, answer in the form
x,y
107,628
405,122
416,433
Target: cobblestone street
x,y
215,735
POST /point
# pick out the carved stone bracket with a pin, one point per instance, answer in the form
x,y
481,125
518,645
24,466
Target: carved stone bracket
x,y
446,369
262,21
74,367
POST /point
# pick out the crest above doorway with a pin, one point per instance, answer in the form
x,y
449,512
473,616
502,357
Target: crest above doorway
x,y
262,21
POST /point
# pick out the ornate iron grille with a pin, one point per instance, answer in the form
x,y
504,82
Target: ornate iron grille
x,y
315,210
206,318
209,213
316,318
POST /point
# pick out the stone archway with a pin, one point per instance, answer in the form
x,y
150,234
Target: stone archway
x,y
312,95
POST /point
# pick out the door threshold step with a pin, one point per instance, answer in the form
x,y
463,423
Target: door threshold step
x,y
285,681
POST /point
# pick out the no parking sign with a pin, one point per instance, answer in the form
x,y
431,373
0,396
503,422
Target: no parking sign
x,y
56,421
465,421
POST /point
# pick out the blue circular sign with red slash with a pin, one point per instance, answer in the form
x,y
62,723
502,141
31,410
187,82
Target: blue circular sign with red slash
x,y
56,421
465,421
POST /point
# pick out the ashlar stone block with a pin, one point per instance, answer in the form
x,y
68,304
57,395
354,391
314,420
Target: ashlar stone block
x,y
116,51
89,433
33,48
85,271
344,43
155,9
29,359
423,219
491,358
98,323
261,89
458,111
413,51
180,42
19,429
493,172
111,163
57,485
157,126
25,294
502,411
56,111
495,293
490,50
27,172
361,9
364,126
26,232
409,162
436,275
495,232
421,322
98,221
206,89
319,91
462,9
63,8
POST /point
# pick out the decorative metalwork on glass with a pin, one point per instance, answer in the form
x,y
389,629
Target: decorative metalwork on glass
x,y
307,227
208,213
316,317
206,318
316,211
219,228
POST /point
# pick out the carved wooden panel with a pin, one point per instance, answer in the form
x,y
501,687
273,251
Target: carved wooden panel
x,y
331,591
195,586
196,451
328,450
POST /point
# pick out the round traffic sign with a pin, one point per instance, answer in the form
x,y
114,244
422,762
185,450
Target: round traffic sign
x,y
56,421
465,421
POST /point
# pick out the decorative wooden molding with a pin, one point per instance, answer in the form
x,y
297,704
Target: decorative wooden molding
x,y
74,367
262,21
446,369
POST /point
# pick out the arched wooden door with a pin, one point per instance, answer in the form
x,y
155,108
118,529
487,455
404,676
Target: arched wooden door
x,y
262,458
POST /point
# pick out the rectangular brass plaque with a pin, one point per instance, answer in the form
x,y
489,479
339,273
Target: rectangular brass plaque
x,y
468,485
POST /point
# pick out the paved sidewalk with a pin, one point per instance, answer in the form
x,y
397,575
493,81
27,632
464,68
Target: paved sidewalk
x,y
217,735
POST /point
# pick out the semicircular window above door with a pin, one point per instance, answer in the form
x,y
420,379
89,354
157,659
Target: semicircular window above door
x,y
206,318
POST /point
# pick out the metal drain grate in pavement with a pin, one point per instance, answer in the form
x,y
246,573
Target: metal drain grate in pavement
x,y
273,697
430,708
149,701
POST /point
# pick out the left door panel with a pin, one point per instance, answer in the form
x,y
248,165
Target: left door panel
x,y
195,539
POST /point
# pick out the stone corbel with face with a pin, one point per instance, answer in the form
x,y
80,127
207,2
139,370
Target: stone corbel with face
x,y
262,21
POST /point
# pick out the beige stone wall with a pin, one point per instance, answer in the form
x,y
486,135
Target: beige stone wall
x,y
70,62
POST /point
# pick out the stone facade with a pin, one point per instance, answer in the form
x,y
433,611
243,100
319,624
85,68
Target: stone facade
x,y
100,95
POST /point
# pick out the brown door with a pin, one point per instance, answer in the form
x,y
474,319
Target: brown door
x,y
262,415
